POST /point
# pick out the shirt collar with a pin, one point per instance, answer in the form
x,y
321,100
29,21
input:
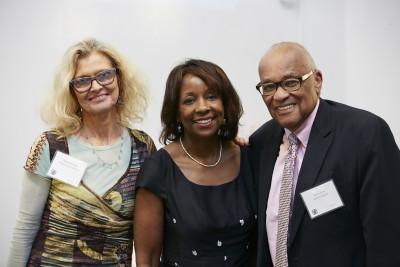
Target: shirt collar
x,y
303,132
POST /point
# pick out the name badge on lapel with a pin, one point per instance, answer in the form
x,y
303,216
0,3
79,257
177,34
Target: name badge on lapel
x,y
321,199
67,169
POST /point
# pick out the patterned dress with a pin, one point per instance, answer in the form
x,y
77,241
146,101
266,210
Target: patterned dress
x,y
79,227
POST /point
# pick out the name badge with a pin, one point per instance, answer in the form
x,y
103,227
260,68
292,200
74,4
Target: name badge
x,y
321,199
67,169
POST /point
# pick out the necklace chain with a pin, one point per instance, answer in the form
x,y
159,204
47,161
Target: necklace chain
x,y
104,163
201,163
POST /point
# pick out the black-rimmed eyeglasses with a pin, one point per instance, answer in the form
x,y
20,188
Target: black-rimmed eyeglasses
x,y
83,84
268,88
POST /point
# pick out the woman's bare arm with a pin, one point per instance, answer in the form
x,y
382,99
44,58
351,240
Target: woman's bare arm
x,y
148,228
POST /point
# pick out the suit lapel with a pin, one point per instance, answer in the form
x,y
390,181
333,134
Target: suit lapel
x,y
268,155
317,148
266,162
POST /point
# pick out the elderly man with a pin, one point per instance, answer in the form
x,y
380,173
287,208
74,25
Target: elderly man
x,y
329,174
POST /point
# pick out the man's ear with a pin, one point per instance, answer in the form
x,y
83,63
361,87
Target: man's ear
x,y
318,78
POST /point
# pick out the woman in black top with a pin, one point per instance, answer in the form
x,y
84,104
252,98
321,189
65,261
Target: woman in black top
x,y
195,204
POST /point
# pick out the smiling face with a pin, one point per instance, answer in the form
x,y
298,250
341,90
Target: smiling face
x,y
201,111
99,99
290,110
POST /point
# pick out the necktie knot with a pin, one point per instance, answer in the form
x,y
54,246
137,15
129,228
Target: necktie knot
x,y
293,140
293,145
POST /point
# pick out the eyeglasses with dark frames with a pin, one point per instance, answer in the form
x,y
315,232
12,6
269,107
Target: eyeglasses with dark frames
x,y
83,84
289,85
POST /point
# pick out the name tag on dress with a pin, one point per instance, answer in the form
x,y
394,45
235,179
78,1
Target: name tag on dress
x,y
321,199
67,169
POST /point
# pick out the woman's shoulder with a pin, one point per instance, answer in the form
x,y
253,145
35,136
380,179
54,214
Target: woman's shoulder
x,y
159,163
39,154
173,149
154,172
159,158
232,150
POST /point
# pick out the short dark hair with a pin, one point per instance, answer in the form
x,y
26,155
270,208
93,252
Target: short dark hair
x,y
216,79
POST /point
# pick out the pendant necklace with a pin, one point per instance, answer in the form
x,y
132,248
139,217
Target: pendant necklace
x,y
201,163
100,160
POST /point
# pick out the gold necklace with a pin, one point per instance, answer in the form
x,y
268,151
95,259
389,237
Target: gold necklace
x,y
201,163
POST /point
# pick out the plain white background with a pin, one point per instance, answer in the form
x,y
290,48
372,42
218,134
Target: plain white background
x,y
355,44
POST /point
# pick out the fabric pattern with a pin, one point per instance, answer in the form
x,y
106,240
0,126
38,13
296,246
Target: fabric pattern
x,y
81,228
285,203
39,147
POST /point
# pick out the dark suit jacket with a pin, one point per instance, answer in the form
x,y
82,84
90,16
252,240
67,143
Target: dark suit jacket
x,y
357,150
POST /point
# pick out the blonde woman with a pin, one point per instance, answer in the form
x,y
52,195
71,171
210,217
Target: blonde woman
x,y
95,99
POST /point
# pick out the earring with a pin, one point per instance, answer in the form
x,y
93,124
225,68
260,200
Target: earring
x,y
179,127
223,132
79,111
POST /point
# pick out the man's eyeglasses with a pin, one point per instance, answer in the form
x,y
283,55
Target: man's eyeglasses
x,y
83,84
289,84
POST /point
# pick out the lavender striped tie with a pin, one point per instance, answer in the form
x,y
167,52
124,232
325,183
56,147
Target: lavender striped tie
x,y
281,258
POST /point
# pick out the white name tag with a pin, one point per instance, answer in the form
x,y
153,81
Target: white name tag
x,y
67,169
321,199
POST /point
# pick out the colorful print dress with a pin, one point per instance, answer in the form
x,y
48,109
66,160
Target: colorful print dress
x,y
80,228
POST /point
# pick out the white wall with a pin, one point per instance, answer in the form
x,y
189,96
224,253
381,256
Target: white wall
x,y
353,42
373,57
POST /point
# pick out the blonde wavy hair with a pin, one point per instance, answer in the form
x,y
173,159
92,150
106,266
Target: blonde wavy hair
x,y
62,111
